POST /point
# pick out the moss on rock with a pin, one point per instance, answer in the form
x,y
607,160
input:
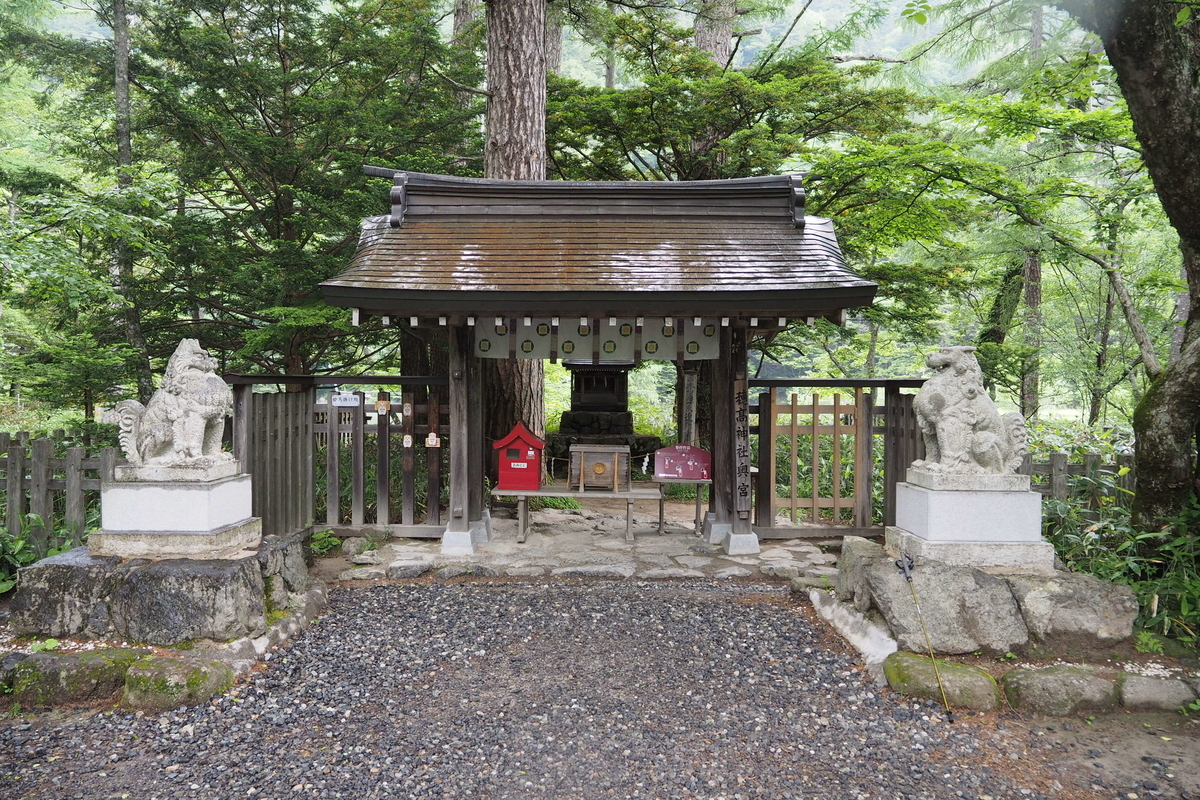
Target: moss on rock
x,y
159,684
966,687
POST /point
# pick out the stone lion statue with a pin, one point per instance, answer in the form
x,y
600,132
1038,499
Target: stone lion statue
x,y
964,432
185,419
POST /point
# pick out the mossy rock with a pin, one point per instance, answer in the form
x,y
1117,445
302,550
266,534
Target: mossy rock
x,y
53,679
159,683
1059,691
966,687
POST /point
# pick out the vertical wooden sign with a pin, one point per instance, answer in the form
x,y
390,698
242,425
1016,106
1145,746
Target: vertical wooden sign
x,y
741,428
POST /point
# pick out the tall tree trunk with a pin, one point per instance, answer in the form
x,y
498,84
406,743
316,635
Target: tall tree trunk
x,y
554,38
714,29
999,318
1099,380
1156,60
516,105
466,14
610,52
122,256
1032,336
515,150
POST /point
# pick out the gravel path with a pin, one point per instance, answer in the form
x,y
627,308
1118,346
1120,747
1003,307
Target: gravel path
x,y
561,690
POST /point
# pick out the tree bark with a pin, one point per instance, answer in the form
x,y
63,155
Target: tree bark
x,y
466,14
554,38
515,150
714,29
1097,392
516,105
121,255
1156,61
1000,316
1032,336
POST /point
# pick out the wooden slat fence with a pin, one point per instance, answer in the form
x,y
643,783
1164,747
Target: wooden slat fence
x,y
1052,478
395,471
58,485
832,483
356,469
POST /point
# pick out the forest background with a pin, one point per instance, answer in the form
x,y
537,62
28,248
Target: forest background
x,y
177,169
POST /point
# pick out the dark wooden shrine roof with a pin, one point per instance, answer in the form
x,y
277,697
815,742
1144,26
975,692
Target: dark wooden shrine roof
x,y
471,246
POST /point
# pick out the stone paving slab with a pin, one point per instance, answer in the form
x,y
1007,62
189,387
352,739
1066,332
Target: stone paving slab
x,y
582,542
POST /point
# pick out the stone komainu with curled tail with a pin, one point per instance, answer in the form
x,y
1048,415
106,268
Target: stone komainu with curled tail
x,y
964,432
184,420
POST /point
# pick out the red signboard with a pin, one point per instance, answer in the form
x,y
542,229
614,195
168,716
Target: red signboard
x,y
682,462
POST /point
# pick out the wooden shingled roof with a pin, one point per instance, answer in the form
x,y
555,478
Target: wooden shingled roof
x,y
470,246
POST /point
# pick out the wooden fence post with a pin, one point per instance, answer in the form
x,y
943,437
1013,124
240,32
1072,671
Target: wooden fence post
x,y
864,455
383,455
433,465
76,508
333,447
764,497
15,488
1058,475
357,463
40,502
408,479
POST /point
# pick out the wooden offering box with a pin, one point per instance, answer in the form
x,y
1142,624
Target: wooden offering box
x,y
599,466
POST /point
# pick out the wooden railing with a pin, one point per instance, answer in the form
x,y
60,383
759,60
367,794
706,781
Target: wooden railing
x,y
50,490
1052,478
845,425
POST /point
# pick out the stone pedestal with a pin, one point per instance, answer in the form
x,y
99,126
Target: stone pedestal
x,y
173,511
992,522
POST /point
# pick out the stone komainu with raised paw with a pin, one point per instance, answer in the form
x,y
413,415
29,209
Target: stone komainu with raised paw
x,y
964,432
184,420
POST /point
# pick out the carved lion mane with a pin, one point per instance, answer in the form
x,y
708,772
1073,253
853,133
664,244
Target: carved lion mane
x,y
184,420
964,432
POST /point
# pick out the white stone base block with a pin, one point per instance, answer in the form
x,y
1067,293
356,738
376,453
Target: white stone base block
x,y
219,543
481,529
185,506
969,515
458,543
1035,558
741,544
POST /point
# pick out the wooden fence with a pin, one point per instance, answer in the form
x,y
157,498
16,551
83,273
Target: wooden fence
x,y
51,490
1052,478
835,450
381,464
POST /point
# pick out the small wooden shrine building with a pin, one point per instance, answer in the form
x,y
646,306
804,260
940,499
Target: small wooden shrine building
x,y
602,270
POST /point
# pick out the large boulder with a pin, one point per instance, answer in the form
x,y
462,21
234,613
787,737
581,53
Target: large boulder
x,y
160,684
60,595
1059,691
1141,693
966,687
965,610
177,600
851,581
52,679
281,559
1072,614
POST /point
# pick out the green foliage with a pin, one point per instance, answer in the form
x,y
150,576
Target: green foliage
x,y
44,646
1147,642
1162,567
323,542
538,503
1076,440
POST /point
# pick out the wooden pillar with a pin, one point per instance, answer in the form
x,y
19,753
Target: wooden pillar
x,y
241,425
476,453
460,412
739,392
722,437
